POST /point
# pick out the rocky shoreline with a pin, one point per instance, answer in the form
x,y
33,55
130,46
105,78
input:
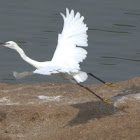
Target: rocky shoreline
x,y
68,112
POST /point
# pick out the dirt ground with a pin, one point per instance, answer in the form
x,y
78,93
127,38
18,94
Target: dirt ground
x,y
54,111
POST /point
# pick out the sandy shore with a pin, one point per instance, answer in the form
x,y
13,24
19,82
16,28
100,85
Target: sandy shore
x,y
57,111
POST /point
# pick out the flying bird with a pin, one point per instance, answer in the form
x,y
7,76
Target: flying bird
x,y
67,56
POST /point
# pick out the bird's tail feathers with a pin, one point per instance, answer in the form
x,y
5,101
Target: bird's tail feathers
x,y
81,76
22,75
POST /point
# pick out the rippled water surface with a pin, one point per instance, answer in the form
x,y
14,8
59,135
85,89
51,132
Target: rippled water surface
x,y
114,36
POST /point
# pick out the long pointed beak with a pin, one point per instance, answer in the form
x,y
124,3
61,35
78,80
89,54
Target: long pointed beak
x,y
2,44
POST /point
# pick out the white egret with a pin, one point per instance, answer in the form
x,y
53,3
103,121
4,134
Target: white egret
x,y
67,56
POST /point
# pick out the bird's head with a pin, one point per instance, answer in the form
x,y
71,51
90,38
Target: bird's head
x,y
9,44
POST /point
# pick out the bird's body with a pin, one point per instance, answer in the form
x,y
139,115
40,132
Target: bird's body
x,y
67,56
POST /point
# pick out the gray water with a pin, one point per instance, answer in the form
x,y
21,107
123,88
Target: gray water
x,y
114,36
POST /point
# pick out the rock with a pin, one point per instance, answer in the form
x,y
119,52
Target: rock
x,y
69,112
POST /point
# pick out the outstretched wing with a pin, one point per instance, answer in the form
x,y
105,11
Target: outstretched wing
x,y
74,34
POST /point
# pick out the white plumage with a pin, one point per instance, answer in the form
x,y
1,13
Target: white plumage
x,y
67,56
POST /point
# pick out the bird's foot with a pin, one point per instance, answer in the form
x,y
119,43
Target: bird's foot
x,y
110,84
107,101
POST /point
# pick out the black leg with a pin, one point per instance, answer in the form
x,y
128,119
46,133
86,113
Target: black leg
x,y
103,99
108,84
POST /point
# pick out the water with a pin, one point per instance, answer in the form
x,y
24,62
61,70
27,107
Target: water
x,y
114,37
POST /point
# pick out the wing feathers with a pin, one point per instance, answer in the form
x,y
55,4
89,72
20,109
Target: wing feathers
x,y
74,34
53,70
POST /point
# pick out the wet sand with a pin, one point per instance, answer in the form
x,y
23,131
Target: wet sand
x,y
57,111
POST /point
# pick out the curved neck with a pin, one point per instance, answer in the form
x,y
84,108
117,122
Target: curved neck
x,y
26,58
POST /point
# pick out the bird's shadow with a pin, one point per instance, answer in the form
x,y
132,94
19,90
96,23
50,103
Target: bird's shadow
x,y
90,111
